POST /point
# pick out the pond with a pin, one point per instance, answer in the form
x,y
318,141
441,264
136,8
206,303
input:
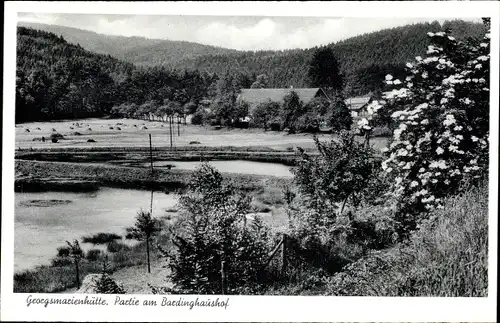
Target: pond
x,y
233,166
44,221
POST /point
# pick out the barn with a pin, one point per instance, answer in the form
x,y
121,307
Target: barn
x,y
256,96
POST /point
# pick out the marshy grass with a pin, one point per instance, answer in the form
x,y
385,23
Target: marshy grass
x,y
101,238
270,195
114,246
60,275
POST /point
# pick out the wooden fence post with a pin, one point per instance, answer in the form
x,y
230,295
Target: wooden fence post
x,y
223,277
151,205
283,255
151,153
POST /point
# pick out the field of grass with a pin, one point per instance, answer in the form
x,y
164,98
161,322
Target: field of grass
x,y
31,174
134,133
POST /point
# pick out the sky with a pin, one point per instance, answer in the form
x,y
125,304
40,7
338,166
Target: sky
x,y
237,32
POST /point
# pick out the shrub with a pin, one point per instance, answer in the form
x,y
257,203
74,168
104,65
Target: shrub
x,y
340,173
448,256
441,111
101,238
324,227
114,246
197,118
275,125
56,136
264,113
93,254
61,262
212,233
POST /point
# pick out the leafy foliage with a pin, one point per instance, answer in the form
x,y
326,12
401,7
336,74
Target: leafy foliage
x,y
341,172
265,113
441,110
447,256
214,233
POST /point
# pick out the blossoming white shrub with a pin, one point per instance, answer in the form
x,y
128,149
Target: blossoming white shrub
x,y
442,114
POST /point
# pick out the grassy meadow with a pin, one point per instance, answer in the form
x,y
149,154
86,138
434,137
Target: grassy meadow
x,y
134,133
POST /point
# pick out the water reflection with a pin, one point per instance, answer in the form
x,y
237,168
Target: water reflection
x,y
43,223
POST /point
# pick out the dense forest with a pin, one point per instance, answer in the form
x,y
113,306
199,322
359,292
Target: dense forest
x,y
137,50
364,59
58,77
57,80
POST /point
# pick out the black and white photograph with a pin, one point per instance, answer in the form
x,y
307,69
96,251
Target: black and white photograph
x,y
267,155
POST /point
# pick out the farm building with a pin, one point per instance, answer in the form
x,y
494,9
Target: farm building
x,y
256,96
357,105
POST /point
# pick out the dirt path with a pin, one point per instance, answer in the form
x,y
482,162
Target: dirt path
x,y
135,279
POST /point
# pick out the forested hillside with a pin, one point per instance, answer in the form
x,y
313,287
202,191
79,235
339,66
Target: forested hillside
x,y
364,59
57,80
137,50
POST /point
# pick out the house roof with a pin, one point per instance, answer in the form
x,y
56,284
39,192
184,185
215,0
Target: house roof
x,y
357,103
256,96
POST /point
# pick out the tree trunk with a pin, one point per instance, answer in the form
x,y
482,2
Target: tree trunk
x,y
170,130
343,204
147,253
151,154
77,274
283,257
367,139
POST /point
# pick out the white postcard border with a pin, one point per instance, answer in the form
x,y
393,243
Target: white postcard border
x,y
251,308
